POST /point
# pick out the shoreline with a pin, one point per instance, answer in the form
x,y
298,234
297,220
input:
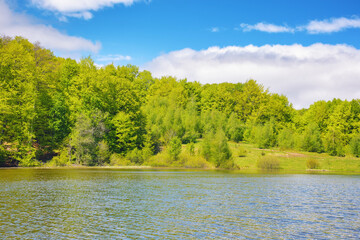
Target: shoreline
x,y
239,171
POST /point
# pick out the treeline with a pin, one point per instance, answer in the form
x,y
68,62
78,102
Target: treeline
x,y
66,112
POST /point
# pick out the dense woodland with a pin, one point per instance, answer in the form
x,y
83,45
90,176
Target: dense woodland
x,y
60,111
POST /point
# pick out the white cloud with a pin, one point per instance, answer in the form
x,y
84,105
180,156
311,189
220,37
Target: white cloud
x,y
113,58
332,25
303,74
265,27
314,26
77,8
14,24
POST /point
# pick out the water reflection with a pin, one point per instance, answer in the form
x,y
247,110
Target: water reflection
x,y
90,203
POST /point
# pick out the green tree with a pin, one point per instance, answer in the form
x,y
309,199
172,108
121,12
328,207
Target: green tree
x,y
355,145
234,128
312,139
266,136
286,139
175,148
124,132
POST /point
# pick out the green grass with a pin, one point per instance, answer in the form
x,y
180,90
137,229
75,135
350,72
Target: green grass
x,y
246,157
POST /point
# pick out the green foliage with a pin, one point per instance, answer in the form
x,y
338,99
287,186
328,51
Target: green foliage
x,y
103,153
191,149
74,111
87,139
26,157
355,145
286,139
119,160
175,148
63,159
191,161
312,163
265,135
215,149
206,146
125,132
312,139
333,143
268,163
235,129
139,156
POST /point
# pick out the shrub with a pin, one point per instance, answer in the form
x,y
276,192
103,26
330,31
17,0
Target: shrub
x,y
159,160
119,160
268,163
26,158
312,163
191,161
139,156
61,160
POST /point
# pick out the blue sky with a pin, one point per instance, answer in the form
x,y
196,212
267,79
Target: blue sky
x,y
206,41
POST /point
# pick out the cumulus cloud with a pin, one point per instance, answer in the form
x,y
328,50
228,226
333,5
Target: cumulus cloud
x,y
332,25
265,27
303,73
77,8
14,24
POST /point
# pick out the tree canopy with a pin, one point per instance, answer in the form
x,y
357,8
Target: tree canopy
x,y
54,107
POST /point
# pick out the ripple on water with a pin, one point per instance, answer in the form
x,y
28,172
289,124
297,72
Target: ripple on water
x,y
88,204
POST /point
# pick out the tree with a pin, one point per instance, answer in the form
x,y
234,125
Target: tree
x,y
215,149
124,132
312,139
285,139
87,139
234,128
175,148
265,135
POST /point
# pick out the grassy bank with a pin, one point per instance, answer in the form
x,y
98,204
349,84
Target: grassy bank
x,y
247,156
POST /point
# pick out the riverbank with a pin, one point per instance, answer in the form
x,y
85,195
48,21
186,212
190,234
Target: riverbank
x,y
247,159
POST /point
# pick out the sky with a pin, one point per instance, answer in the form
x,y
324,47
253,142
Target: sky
x,y
308,50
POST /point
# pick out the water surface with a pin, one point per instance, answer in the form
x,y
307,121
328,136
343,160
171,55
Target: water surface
x,y
135,204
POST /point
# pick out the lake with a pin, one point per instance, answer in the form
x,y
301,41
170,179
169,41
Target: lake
x,y
184,204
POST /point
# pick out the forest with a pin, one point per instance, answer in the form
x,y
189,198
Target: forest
x,y
63,112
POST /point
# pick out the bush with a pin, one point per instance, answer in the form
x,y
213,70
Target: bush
x,y
191,161
135,156
26,157
159,160
119,160
268,163
312,163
